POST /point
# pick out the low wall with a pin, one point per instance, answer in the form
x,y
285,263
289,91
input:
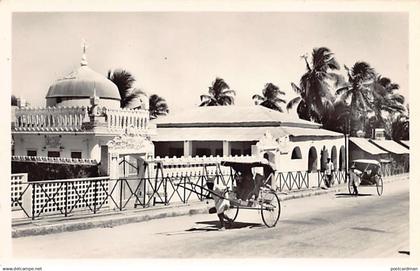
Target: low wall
x,y
47,168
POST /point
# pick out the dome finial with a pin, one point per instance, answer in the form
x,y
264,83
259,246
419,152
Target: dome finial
x,y
84,59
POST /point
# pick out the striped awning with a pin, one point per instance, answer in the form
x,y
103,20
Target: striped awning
x,y
405,143
365,145
390,146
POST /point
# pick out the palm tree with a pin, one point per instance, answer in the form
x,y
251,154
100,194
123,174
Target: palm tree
x,y
314,88
270,97
360,90
125,81
13,100
157,106
303,110
219,94
338,117
397,127
385,100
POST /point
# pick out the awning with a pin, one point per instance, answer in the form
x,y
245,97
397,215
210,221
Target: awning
x,y
366,146
390,146
405,143
235,133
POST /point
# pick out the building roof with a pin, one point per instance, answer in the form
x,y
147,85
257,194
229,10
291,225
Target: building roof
x,y
390,146
365,145
235,133
233,116
82,83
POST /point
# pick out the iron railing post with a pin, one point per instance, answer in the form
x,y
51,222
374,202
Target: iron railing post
x,y
121,191
95,188
66,195
184,188
145,191
33,201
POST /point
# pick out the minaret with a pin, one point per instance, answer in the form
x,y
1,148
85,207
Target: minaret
x,y
84,62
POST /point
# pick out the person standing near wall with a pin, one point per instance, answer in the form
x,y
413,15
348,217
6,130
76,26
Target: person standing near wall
x,y
329,171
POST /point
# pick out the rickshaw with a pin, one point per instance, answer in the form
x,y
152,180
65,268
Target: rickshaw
x,y
250,188
369,173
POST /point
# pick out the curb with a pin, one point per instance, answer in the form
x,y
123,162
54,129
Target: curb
x,y
143,215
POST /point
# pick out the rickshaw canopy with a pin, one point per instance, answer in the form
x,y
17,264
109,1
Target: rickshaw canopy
x,y
367,162
248,164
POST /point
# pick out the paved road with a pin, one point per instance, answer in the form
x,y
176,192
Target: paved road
x,y
331,225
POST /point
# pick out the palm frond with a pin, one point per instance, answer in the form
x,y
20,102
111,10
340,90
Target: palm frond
x,y
296,88
258,97
293,102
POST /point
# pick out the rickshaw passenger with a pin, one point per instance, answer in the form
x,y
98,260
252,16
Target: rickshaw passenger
x,y
244,185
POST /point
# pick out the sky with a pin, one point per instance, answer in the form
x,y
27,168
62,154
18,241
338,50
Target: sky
x,y
177,55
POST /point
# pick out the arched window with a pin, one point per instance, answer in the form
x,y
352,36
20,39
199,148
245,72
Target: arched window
x,y
296,154
312,160
334,156
342,163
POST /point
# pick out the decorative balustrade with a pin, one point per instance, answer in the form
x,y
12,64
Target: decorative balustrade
x,y
58,160
118,119
72,119
50,119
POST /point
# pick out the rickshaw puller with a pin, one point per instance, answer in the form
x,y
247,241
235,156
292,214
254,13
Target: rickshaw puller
x,y
354,178
221,204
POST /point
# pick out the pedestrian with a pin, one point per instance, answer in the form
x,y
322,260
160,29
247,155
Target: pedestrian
x,y
354,179
329,171
221,204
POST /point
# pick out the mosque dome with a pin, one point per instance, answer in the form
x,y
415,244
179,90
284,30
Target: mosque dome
x,y
82,84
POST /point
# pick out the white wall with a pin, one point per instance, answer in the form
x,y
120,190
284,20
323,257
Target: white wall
x,y
89,145
285,163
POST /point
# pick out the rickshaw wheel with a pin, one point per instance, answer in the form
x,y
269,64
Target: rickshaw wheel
x,y
232,212
270,208
379,185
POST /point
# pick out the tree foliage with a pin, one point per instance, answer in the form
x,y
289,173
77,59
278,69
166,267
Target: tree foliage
x,y
124,81
157,106
270,97
219,94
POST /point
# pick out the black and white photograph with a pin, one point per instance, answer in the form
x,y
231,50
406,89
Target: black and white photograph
x,y
209,134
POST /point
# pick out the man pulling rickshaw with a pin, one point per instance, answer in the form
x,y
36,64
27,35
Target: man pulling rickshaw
x,y
365,172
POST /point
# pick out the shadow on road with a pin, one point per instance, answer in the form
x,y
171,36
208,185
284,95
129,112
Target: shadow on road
x,y
347,195
368,229
215,224
209,226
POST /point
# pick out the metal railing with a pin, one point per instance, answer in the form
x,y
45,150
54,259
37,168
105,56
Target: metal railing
x,y
93,195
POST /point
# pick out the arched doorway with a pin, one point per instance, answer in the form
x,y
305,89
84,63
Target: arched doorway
x,y
324,157
342,160
312,160
334,156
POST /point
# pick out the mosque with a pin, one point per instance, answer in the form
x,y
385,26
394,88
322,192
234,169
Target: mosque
x,y
82,116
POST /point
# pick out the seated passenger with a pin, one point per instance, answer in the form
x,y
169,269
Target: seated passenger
x,y
244,185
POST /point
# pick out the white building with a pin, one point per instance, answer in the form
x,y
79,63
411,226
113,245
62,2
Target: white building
x,y
291,143
81,117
